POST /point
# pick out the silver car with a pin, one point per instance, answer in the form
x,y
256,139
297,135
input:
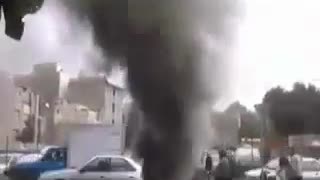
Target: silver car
x,y
100,167
310,170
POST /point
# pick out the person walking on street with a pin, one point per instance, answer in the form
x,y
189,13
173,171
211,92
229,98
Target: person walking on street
x,y
285,171
208,165
295,161
232,163
223,171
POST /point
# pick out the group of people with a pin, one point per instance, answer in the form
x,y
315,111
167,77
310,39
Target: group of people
x,y
225,170
290,168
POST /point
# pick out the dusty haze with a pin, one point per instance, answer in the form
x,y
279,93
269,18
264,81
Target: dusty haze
x,y
175,51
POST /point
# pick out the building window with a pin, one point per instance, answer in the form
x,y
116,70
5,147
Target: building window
x,y
113,107
58,111
112,121
114,92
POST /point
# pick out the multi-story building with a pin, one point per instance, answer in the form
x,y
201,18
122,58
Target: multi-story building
x,y
73,113
49,82
7,114
17,106
23,105
98,94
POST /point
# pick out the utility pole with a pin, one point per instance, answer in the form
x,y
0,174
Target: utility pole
x,y
36,121
7,150
262,110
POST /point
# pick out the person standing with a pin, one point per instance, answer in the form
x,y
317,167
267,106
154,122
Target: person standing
x,y
295,162
285,171
208,165
232,163
223,171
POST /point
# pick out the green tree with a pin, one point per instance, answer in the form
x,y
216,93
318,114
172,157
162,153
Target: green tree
x,y
296,111
250,125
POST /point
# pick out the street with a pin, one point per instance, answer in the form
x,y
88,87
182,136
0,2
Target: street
x,y
201,175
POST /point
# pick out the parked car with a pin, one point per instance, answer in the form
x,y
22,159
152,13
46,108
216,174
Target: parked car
x,y
100,167
310,170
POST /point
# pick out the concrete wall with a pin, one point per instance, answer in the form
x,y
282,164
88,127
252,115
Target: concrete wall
x,y
8,119
74,113
100,96
88,91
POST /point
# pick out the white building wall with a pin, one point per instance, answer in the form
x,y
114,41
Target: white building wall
x,y
8,114
119,105
99,95
74,113
106,115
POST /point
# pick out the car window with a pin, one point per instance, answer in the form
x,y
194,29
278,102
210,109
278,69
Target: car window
x,y
54,155
121,165
98,164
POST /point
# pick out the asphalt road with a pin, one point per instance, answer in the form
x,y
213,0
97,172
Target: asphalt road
x,y
201,175
3,177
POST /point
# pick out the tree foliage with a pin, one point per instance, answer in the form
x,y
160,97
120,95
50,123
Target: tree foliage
x,y
296,111
249,123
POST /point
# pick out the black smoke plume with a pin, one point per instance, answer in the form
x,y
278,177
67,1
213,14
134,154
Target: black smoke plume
x,y
174,51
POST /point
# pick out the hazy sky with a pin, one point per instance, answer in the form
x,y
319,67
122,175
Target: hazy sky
x,y
278,44
48,37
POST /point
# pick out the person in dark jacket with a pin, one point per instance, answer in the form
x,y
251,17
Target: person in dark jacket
x,y
208,163
232,163
223,171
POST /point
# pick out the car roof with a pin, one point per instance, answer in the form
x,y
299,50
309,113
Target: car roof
x,y
303,158
109,156
309,159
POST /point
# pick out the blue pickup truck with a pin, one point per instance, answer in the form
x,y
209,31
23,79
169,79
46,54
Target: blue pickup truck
x,y
26,168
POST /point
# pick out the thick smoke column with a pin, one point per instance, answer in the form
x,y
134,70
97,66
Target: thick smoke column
x,y
173,50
